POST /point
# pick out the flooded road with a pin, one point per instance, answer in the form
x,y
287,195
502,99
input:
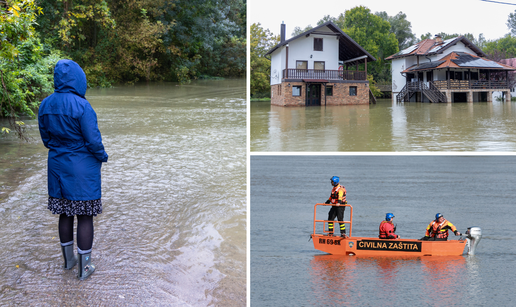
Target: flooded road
x,y
385,126
173,228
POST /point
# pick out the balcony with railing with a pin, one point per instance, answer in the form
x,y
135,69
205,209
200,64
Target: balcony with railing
x,y
352,75
471,84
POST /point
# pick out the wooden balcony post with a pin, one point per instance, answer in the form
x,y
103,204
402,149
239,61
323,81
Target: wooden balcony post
x,y
286,77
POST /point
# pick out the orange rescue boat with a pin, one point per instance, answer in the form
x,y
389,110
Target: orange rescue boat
x,y
364,246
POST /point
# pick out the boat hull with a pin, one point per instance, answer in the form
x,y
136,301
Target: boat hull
x,y
363,246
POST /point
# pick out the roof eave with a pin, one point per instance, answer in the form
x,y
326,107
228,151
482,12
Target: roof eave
x,y
333,27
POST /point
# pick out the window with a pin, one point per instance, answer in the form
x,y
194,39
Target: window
x,y
301,64
296,90
352,91
318,44
329,90
319,65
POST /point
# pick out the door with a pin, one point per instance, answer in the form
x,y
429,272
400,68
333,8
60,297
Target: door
x,y
313,95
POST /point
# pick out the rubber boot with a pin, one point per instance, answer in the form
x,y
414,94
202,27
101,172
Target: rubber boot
x,y
85,266
70,260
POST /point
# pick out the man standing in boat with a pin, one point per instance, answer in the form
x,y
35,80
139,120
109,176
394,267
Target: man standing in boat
x,y
387,228
437,230
338,200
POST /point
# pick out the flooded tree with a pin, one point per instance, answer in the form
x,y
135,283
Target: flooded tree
x,y
262,40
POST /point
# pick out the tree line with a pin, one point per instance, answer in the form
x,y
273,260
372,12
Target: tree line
x,y
115,41
379,34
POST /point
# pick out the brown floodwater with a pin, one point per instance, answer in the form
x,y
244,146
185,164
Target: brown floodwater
x,y
385,126
173,230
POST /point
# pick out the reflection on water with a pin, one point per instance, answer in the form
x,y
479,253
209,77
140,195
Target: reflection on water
x,y
342,279
173,227
385,126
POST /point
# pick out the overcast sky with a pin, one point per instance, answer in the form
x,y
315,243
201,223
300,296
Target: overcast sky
x,y
449,16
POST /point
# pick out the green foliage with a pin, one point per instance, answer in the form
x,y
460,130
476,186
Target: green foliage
x,y
401,28
26,70
501,48
511,23
425,36
372,86
373,34
261,42
208,37
298,30
133,40
339,21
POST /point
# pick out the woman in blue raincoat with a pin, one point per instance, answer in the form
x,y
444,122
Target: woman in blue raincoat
x,y
68,128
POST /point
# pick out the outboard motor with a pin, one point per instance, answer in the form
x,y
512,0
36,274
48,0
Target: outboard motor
x,y
474,234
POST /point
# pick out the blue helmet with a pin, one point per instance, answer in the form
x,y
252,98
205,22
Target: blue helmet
x,y
389,216
335,180
438,215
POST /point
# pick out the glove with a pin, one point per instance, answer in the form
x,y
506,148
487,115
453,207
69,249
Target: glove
x,y
327,202
457,233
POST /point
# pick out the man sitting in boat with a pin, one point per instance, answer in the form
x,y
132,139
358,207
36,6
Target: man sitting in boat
x,y
437,230
337,198
387,228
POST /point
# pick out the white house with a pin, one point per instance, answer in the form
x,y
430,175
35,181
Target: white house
x,y
512,79
452,70
312,69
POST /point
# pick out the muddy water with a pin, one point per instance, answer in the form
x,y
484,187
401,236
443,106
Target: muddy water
x,y
174,194
385,127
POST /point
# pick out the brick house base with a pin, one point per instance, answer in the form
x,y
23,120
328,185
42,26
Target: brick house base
x,y
294,93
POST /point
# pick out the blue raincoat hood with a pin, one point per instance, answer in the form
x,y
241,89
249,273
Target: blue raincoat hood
x,y
69,78
69,129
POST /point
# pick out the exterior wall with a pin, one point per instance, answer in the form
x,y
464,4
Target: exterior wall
x,y
341,94
302,49
277,62
282,94
458,47
398,81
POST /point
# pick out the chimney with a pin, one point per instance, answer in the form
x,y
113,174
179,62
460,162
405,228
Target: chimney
x,y
438,39
282,32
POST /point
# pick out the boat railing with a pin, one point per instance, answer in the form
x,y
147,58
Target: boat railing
x,y
324,222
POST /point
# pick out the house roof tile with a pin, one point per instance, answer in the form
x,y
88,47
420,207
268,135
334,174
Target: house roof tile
x,y
429,47
460,60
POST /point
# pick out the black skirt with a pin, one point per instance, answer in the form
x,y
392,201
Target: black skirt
x,y
74,207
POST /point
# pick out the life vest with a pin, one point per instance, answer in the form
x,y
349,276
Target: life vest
x,y
440,230
334,196
387,230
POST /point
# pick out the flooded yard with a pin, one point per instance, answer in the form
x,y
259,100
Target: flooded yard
x,y
173,229
385,126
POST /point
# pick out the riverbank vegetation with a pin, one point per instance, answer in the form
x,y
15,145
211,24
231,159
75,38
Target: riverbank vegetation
x,y
115,41
379,34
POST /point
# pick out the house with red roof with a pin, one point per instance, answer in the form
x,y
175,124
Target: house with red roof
x,y
452,70
319,67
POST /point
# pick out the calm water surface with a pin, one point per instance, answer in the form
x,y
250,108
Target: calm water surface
x,y
470,191
173,230
385,127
